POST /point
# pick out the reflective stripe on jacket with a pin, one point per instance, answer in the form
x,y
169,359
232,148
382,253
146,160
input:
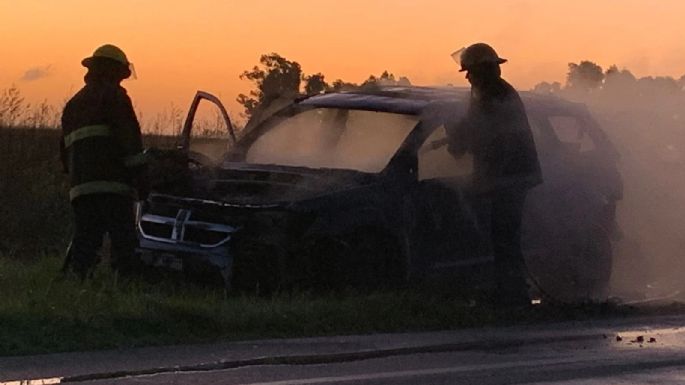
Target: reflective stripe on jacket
x,y
102,144
86,132
101,187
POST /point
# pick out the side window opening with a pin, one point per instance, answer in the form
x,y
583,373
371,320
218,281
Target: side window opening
x,y
435,162
571,133
545,139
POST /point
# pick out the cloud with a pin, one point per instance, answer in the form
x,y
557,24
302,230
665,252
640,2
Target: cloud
x,y
36,73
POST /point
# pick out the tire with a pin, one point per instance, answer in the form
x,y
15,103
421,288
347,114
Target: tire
x,y
575,269
595,262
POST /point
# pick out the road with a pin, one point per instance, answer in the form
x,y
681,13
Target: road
x,y
586,362
648,350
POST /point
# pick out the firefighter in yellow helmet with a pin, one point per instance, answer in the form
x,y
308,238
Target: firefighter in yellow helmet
x,y
102,151
505,163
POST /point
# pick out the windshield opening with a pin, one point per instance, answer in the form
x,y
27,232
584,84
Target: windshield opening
x,y
333,138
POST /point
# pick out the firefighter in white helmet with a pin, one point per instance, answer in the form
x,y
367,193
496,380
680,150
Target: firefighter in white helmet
x,y
496,132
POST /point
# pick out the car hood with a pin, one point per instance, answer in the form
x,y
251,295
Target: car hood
x,y
249,184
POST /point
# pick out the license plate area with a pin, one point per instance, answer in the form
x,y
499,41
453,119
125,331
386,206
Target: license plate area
x,y
165,260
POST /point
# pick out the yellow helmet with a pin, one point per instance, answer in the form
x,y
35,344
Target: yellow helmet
x,y
477,54
108,51
112,52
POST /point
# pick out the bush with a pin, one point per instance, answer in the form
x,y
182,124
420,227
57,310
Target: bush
x,y
35,215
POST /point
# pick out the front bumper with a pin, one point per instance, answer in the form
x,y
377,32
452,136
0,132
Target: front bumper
x,y
180,239
179,256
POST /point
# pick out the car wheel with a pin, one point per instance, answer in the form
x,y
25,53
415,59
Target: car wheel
x,y
595,261
575,269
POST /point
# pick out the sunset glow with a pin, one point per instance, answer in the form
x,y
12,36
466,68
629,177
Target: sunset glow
x,y
179,46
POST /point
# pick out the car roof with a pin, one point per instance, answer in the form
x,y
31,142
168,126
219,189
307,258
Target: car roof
x,y
413,100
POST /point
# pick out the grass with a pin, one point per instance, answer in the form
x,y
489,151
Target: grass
x,y
42,314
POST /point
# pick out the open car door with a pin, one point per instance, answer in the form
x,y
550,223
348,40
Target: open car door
x,y
206,140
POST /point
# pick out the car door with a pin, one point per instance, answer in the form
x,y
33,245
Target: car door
x,y
207,137
448,231
170,228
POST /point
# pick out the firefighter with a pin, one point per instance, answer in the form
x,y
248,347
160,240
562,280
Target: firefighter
x,y
496,132
102,152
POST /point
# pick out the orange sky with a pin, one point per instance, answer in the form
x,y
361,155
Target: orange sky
x,y
180,46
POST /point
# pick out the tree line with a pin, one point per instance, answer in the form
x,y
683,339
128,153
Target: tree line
x,y
617,89
277,77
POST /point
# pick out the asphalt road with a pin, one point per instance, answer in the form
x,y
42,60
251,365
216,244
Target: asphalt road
x,y
593,361
617,351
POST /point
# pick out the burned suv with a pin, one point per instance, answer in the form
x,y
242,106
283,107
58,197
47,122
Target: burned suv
x,y
357,188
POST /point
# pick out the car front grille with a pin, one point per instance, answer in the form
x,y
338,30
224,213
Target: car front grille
x,y
185,227
204,236
154,229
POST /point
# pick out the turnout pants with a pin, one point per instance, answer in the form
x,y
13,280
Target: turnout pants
x,y
95,215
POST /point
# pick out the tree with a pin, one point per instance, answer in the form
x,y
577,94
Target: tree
x,y
614,74
586,76
657,87
277,77
619,82
404,81
547,88
341,85
385,79
315,84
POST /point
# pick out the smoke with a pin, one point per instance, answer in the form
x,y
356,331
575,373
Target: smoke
x,y
645,119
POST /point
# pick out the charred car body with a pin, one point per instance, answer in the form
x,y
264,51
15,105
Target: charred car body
x,y
358,188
